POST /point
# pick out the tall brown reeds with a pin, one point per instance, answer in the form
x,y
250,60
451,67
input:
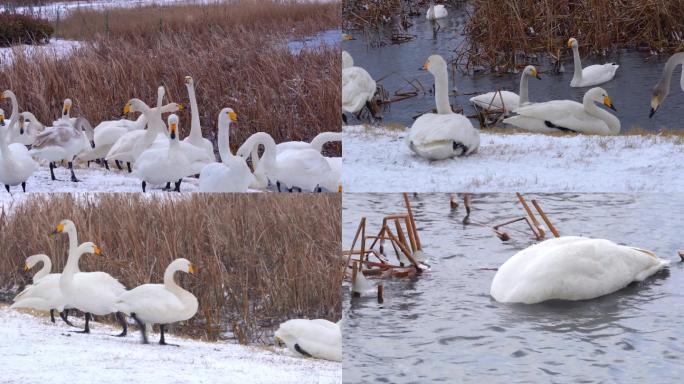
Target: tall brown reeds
x,y
260,258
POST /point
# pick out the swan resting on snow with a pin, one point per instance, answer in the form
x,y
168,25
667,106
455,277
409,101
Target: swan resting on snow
x,y
592,75
319,338
662,89
571,268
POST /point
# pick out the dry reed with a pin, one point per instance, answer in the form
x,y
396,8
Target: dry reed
x,y
260,258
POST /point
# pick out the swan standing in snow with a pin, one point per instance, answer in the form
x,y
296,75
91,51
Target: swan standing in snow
x,y
232,174
569,116
195,138
158,165
358,87
291,170
571,268
436,11
445,134
319,338
160,303
591,75
44,294
662,89
491,101
16,165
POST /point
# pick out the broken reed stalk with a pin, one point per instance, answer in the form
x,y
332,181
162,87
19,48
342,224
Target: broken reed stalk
x,y
381,293
546,219
407,252
539,232
413,222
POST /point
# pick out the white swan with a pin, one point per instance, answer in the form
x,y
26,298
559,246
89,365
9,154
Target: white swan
x,y
445,134
436,11
63,141
491,101
159,165
358,87
94,293
319,338
160,303
232,174
571,268
16,165
304,169
569,116
662,89
317,144
592,75
12,134
195,138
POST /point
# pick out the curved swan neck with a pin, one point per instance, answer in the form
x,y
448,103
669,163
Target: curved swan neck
x,y
324,137
670,65
578,63
524,98
45,270
195,129
442,91
170,282
592,109
270,150
224,138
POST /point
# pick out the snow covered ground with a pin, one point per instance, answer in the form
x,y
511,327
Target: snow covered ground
x,y
33,350
56,48
377,160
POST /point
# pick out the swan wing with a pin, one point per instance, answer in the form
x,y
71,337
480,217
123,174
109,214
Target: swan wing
x,y
312,338
563,115
492,100
598,74
358,87
149,299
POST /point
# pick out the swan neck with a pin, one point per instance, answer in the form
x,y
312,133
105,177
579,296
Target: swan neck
x,y
524,98
670,65
224,139
611,121
442,91
45,270
73,238
195,129
170,282
578,63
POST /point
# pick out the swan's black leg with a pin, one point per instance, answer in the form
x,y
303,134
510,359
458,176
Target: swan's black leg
x,y
161,339
106,164
118,164
128,164
278,186
23,186
87,324
143,329
122,320
144,184
301,350
52,171
167,187
7,188
178,184
52,316
65,317
73,175
344,118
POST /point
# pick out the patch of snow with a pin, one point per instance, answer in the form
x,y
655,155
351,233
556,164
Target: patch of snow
x,y
376,159
33,350
330,38
55,48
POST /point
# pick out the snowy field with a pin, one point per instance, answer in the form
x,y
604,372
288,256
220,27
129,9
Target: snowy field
x,y
378,160
56,48
60,9
33,350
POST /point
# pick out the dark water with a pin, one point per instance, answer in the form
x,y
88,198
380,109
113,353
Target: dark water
x,y
630,89
444,327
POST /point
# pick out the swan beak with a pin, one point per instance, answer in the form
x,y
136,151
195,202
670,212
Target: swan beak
x,y
653,111
127,109
233,116
278,341
536,74
191,270
59,229
339,189
608,103
2,120
180,107
425,66
97,251
26,268
654,106
66,109
173,130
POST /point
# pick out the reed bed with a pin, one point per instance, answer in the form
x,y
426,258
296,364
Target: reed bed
x,y
502,33
260,259
236,52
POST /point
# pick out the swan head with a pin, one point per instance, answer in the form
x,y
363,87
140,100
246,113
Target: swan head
x,y
228,113
188,80
64,226
572,43
657,97
183,265
2,118
67,107
90,247
347,60
531,70
7,94
434,63
31,261
599,95
173,126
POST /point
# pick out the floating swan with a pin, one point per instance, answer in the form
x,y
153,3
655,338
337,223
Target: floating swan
x,y
491,101
160,303
662,89
16,165
232,174
63,141
319,338
571,268
358,87
569,116
445,134
94,293
159,165
44,294
591,75
436,11
303,169
195,138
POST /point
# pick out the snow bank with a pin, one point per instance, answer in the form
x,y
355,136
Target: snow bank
x,y
378,160
33,350
56,48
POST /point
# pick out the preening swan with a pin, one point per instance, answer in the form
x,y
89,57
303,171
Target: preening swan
x,y
16,165
592,75
569,116
195,138
436,11
571,268
445,134
317,144
662,89
491,101
232,174
160,303
319,338
358,87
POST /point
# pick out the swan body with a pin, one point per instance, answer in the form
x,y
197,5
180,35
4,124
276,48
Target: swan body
x,y
16,164
195,138
44,294
319,338
232,174
316,143
491,101
358,87
591,75
569,116
662,89
62,141
445,134
435,12
571,268
15,134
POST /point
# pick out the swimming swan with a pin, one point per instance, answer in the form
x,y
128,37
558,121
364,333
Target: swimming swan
x,y
591,75
491,101
231,174
662,89
569,116
16,165
571,268
160,303
445,134
319,338
358,87
436,11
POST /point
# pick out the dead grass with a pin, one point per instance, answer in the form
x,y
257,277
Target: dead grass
x,y
260,259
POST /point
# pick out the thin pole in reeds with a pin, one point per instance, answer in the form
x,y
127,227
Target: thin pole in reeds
x,y
546,219
539,231
381,293
413,222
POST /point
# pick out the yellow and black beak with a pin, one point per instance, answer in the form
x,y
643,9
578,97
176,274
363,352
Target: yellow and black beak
x,y
191,269
98,251
59,229
180,107
66,109
608,103
173,129
26,267
570,43
233,116
2,120
127,109
425,66
535,73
